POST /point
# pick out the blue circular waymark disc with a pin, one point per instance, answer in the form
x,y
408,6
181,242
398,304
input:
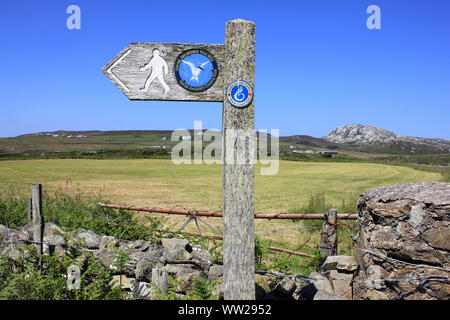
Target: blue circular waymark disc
x,y
196,70
239,93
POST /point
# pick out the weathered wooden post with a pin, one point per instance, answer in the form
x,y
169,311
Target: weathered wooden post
x,y
238,167
328,237
38,218
30,211
209,73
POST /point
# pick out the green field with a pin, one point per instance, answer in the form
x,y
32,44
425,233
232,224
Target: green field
x,y
160,183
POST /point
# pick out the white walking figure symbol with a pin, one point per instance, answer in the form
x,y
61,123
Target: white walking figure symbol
x,y
195,70
159,67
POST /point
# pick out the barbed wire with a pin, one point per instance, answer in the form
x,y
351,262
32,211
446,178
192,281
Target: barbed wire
x,y
193,216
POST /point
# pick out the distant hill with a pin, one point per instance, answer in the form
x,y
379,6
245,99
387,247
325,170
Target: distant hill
x,y
355,139
376,139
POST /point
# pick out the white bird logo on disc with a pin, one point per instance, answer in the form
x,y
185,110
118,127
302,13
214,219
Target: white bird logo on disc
x,y
195,70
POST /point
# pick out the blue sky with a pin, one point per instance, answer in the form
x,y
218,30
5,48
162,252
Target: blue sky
x,y
317,64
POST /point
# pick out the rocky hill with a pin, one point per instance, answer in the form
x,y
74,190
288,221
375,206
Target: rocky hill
x,y
378,139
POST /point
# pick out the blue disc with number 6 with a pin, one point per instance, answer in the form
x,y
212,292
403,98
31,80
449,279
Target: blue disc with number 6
x,y
239,93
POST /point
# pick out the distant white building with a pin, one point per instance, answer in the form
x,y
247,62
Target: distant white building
x,y
186,137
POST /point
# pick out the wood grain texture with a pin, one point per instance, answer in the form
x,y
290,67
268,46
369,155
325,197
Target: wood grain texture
x,y
238,178
30,211
38,217
124,71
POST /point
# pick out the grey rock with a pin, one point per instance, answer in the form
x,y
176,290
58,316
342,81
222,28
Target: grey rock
x,y
141,290
145,266
172,244
54,239
215,271
218,290
324,295
438,238
188,272
126,246
341,263
177,254
140,245
321,282
108,242
91,239
133,259
155,251
54,244
416,215
52,229
201,255
3,230
342,283
285,287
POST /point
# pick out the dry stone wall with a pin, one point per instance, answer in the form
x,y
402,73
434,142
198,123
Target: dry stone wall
x,y
147,265
404,242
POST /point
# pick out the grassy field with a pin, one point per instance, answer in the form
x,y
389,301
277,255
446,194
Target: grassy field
x,y
159,183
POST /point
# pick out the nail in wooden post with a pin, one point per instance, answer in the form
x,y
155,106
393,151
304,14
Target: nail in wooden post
x,y
238,166
38,217
328,238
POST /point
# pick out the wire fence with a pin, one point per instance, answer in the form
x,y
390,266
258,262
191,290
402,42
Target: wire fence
x,y
194,216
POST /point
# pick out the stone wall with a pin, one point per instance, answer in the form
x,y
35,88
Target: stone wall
x,y
150,264
404,242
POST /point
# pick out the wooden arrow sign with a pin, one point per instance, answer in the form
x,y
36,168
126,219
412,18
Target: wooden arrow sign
x,y
169,71
201,72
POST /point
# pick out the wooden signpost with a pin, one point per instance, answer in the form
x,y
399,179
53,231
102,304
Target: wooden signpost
x,y
211,73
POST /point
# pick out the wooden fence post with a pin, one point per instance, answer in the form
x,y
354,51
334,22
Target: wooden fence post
x,y
238,166
38,218
30,211
328,237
